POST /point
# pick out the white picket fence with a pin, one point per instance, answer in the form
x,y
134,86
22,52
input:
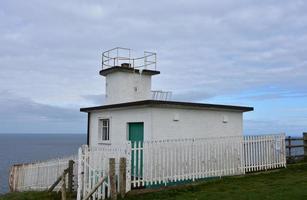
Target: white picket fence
x,y
156,163
39,175
264,152
93,164
170,161
167,161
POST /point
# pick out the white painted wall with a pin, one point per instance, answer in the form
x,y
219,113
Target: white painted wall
x,y
167,123
122,87
118,123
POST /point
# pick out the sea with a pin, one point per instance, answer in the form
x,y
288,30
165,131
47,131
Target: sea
x,y
26,148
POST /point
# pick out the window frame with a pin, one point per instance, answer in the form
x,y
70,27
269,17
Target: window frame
x,y
101,136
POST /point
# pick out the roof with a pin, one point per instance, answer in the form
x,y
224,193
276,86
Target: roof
x,y
167,104
107,71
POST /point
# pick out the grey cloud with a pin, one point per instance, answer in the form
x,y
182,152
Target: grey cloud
x,y
226,46
97,99
192,95
19,114
290,127
51,50
275,95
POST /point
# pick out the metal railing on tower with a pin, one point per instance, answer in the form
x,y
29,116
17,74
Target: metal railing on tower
x,y
122,57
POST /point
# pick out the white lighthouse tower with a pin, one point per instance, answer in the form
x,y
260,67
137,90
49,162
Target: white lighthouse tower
x,y
128,79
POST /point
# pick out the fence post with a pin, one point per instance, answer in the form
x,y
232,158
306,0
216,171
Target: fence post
x,y
13,177
80,173
70,175
112,178
122,177
305,145
63,187
289,146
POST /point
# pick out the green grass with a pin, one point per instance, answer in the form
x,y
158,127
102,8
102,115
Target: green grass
x,y
31,195
284,184
287,184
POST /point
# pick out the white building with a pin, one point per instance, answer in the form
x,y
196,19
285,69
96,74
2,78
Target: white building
x,y
133,112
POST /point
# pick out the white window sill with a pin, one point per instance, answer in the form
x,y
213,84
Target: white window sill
x,y
104,143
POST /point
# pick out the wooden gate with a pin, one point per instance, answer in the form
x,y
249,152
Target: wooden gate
x,y
93,165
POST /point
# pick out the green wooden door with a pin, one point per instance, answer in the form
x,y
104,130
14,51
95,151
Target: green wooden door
x,y
136,131
136,136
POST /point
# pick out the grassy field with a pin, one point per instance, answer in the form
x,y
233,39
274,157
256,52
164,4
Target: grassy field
x,y
287,184
31,195
290,183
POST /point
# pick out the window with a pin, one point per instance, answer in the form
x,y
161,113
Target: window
x,y
104,129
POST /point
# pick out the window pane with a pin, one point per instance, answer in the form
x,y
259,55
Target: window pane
x,y
105,133
100,133
104,129
105,122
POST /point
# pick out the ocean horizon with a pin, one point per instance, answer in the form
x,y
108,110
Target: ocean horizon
x,y
16,148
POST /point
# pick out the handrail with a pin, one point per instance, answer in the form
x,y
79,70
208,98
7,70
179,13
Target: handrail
x,y
161,95
116,57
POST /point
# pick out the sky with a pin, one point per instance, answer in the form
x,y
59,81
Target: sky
x,y
238,52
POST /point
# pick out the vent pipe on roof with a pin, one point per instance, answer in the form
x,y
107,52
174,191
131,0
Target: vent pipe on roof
x,y
128,65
